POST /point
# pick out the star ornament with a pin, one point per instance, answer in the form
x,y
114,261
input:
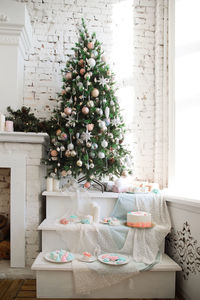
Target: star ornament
x,y
103,81
70,121
86,136
115,122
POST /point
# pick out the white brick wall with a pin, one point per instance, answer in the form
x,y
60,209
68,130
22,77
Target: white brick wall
x,y
55,32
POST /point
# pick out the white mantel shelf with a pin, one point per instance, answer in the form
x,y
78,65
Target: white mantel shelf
x,y
92,194
24,137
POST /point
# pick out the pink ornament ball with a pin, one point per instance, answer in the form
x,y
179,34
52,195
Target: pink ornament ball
x,y
63,136
67,111
82,71
54,153
90,45
69,76
85,110
90,127
95,93
81,62
87,185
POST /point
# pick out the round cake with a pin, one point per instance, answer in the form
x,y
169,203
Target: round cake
x,y
139,219
87,256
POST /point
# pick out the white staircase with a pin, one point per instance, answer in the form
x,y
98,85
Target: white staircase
x,y
56,280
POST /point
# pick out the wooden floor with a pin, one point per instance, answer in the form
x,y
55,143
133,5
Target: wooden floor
x,y
26,290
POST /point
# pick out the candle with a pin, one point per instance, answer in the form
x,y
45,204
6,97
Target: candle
x,y
9,126
2,122
49,184
96,212
56,183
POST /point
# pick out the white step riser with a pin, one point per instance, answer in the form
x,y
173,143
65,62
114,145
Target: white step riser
x,y
59,284
51,238
56,207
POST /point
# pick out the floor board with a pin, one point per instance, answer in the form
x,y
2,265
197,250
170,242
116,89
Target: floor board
x,y
19,289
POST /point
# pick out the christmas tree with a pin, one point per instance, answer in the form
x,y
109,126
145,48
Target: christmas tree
x,y
88,133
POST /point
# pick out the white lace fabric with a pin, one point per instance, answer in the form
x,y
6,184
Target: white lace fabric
x,y
142,245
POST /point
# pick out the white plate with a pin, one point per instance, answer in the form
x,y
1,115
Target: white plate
x,y
113,263
47,257
88,261
102,222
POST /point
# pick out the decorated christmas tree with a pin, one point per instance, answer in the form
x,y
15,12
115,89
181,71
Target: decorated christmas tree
x,y
88,131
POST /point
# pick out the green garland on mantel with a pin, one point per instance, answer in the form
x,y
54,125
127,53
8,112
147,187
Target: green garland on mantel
x,y
25,121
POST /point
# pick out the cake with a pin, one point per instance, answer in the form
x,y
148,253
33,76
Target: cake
x,y
87,220
110,221
139,219
64,221
60,256
87,256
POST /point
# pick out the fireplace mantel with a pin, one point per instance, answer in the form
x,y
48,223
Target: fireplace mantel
x,y
24,137
22,153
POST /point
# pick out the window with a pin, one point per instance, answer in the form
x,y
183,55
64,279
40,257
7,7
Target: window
x,y
186,93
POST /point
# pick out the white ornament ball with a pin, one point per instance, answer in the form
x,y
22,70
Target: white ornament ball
x,y
87,76
70,146
101,155
91,166
73,153
79,163
62,148
104,143
69,172
91,62
112,103
102,124
92,154
94,146
90,103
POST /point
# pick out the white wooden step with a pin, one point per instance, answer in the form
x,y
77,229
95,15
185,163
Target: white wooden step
x,y
51,230
56,281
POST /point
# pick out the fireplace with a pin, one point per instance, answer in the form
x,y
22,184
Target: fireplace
x,y
21,155
4,213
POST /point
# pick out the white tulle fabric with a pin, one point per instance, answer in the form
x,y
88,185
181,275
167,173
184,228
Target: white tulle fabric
x,y
141,245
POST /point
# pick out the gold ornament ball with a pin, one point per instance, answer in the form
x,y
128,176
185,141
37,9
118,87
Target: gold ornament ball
x,y
58,132
88,144
79,163
73,153
67,153
95,93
